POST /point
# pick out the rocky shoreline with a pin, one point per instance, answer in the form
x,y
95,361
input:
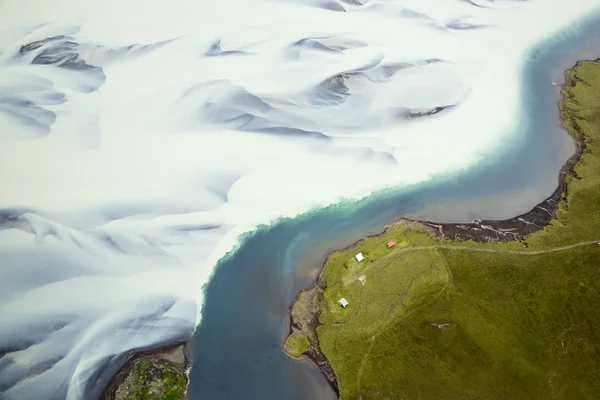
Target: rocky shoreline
x,y
305,321
516,228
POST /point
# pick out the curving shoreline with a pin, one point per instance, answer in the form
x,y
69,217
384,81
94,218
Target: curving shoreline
x,y
483,231
516,228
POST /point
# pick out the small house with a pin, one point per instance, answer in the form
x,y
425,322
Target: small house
x,y
391,244
359,257
343,302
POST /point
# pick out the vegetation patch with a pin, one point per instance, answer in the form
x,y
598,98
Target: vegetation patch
x,y
296,345
151,375
153,380
442,319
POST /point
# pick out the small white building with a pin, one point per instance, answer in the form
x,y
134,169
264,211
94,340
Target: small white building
x,y
359,257
343,302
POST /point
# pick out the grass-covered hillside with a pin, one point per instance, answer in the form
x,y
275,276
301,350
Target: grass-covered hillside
x,y
432,319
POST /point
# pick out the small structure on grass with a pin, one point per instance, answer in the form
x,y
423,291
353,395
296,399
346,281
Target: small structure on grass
x,y
391,244
359,257
343,302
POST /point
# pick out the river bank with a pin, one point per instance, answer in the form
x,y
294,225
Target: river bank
x,y
554,213
518,227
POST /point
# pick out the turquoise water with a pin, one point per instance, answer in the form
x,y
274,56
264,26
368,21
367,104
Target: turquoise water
x,y
237,347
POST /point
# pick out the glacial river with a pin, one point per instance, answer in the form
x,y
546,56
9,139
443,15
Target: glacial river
x,y
237,347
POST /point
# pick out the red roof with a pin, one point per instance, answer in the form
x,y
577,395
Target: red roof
x,y
391,243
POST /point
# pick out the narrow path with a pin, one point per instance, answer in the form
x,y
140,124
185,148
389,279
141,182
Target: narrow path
x,y
447,282
467,248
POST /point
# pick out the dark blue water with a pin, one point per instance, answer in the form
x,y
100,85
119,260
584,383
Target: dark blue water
x,y
237,347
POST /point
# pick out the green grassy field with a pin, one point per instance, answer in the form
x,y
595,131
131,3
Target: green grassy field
x,y
438,320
